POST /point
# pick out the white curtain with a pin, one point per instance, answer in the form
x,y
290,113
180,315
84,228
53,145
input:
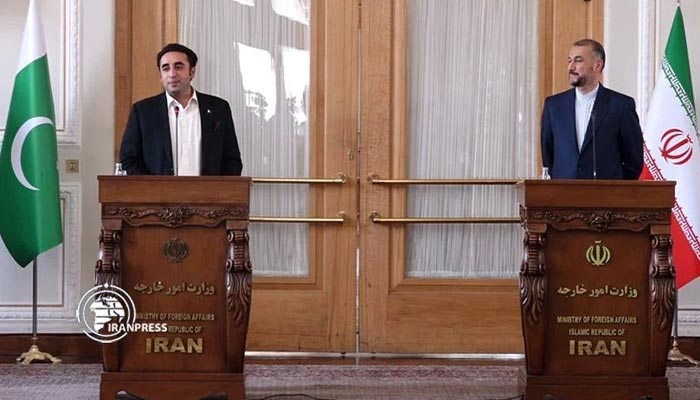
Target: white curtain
x,y
255,54
472,114
472,92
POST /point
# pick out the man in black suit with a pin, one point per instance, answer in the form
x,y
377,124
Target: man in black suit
x,y
589,115
180,131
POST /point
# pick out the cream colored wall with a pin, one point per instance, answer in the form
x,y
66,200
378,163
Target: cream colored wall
x,y
636,32
80,40
97,151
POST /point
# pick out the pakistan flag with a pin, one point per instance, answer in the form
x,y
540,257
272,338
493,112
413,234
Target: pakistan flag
x,y
30,219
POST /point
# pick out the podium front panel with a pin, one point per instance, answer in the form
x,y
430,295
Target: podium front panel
x,y
175,276
599,323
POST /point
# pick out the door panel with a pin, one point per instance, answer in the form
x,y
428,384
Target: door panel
x,y
317,312
561,23
427,314
400,314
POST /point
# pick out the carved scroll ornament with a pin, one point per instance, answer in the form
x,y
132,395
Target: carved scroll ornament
x,y
600,221
108,265
533,283
239,273
663,280
174,217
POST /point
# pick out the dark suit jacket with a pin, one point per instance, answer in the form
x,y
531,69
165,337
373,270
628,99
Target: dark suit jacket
x,y
618,137
146,147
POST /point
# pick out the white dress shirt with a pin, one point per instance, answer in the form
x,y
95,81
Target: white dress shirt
x,y
185,135
584,107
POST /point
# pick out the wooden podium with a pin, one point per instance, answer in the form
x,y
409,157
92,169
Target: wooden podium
x,y
179,247
597,288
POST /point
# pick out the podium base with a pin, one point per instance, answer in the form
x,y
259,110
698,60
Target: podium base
x,y
592,387
174,385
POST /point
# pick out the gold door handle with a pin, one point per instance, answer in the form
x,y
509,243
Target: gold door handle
x,y
339,219
376,180
375,217
339,180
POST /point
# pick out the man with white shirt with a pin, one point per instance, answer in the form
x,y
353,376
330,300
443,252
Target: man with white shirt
x,y
180,131
590,131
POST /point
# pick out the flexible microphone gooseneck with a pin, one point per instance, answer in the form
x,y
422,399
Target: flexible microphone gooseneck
x,y
176,156
595,167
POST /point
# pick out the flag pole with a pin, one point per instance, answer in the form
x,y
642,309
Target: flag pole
x,y
34,353
675,354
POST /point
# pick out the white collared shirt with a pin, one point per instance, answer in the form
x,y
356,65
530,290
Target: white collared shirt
x,y
185,135
584,107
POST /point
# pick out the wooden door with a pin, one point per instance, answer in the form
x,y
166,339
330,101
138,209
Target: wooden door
x,y
432,315
317,312
358,127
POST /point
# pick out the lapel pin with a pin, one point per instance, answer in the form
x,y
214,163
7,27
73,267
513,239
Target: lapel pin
x,y
208,111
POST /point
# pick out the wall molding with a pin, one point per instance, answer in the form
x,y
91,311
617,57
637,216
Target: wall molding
x,y
648,22
689,322
60,318
72,348
73,93
68,133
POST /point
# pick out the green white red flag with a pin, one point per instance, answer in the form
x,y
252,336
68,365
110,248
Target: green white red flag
x,y
672,149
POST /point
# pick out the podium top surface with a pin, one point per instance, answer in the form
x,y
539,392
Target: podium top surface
x,y
174,189
586,193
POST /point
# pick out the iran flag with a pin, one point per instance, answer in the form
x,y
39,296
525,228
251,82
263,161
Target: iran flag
x,y
672,149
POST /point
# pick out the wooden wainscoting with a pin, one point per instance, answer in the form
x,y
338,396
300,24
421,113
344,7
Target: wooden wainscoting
x,y
72,348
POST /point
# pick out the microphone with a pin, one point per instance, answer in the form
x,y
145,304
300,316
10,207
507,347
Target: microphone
x,y
176,156
595,167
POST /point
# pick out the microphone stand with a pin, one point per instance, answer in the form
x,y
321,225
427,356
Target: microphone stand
x,y
176,156
595,167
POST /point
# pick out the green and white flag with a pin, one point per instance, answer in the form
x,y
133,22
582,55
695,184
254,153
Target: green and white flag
x,y
672,149
30,219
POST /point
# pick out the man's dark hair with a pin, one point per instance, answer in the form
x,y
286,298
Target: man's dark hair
x,y
191,56
597,48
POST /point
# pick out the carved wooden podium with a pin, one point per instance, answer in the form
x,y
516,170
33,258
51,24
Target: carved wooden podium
x,y
597,288
179,247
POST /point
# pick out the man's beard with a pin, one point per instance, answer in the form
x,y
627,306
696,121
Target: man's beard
x,y
577,81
